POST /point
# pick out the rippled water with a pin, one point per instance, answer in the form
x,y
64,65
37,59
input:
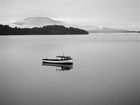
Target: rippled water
x,y
105,71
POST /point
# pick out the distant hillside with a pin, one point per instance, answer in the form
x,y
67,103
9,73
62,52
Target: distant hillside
x,y
37,22
95,29
46,30
110,30
32,22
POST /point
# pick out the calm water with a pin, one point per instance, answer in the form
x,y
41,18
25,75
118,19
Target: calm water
x,y
105,71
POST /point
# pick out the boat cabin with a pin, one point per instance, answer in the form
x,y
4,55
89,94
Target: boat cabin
x,y
64,57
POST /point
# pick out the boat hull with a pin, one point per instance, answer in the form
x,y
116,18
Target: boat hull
x,y
58,62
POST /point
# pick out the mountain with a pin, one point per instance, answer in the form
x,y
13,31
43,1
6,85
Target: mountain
x,y
37,22
45,21
95,29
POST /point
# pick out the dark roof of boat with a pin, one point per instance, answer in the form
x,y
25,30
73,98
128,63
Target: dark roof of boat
x,y
63,56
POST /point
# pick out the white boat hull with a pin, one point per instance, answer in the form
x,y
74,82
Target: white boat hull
x,y
59,62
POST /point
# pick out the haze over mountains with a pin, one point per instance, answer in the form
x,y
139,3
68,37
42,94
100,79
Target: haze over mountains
x,y
37,22
45,21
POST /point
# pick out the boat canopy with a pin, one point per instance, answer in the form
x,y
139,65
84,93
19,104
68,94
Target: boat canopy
x,y
64,57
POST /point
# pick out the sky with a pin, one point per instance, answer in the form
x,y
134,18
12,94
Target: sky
x,y
112,13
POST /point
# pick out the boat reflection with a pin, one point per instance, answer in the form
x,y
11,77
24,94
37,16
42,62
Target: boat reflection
x,y
59,67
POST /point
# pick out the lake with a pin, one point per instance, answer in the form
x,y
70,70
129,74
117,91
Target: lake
x,y
106,70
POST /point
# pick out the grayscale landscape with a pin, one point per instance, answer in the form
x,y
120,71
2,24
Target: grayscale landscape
x,y
69,52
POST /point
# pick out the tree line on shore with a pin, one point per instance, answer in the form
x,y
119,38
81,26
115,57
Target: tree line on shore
x,y
45,30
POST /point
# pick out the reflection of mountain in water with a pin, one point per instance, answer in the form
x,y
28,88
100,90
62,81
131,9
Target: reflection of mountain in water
x,y
61,67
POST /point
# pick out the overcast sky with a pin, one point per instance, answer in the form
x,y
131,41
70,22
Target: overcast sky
x,y
116,13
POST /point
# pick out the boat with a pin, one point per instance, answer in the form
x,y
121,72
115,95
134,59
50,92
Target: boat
x,y
59,60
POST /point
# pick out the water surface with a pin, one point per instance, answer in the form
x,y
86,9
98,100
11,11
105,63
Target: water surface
x,y
105,71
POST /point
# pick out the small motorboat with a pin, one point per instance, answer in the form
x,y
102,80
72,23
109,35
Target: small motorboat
x,y
59,60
